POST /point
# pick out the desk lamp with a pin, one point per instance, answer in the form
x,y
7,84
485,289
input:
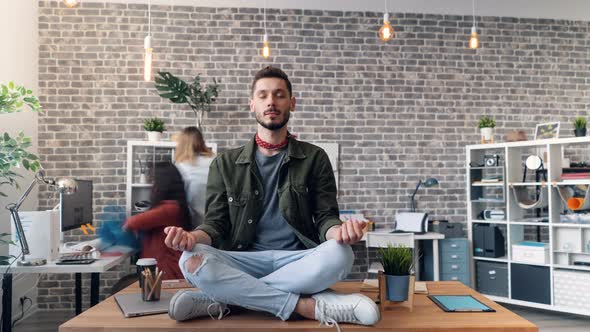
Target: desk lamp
x,y
64,186
430,182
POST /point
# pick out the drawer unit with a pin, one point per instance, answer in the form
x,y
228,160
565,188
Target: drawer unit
x,y
530,283
454,260
571,289
492,278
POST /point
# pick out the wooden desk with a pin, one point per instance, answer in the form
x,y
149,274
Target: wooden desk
x,y
426,316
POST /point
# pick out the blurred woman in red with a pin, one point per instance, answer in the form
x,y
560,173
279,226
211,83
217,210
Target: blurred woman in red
x,y
169,208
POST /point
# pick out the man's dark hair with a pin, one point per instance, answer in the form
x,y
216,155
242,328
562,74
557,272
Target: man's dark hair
x,y
270,71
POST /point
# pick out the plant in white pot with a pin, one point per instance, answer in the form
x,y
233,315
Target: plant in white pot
x,y
486,126
397,264
155,128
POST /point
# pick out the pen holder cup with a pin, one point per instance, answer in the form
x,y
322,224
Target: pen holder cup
x,y
151,286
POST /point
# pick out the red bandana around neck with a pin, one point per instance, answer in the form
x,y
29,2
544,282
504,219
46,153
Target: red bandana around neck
x,y
270,146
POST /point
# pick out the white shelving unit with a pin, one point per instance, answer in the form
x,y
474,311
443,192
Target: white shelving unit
x,y
569,286
141,191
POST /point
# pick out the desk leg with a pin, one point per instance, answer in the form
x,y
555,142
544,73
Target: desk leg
x,y
435,260
7,302
94,288
78,278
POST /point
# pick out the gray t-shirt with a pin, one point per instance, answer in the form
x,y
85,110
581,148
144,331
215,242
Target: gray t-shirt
x,y
272,231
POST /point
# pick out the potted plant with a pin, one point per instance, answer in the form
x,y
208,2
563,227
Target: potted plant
x,y
13,150
198,97
154,128
580,126
397,264
486,126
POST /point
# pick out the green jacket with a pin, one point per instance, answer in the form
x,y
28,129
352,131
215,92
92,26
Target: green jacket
x,y
306,189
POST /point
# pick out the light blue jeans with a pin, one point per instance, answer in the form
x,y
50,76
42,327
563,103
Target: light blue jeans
x,y
270,281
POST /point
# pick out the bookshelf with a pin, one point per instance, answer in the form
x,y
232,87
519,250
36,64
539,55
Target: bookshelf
x,y
565,284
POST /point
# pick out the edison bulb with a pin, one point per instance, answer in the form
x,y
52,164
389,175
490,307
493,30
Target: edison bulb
x,y
474,40
147,58
265,47
71,3
386,31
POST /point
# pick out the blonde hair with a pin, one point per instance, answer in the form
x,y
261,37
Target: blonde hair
x,y
190,144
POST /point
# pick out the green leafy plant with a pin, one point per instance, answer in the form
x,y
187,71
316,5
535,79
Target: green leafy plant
x,y
13,150
198,97
396,260
580,123
486,122
5,260
154,124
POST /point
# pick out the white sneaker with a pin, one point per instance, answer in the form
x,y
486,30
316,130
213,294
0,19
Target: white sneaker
x,y
332,308
188,304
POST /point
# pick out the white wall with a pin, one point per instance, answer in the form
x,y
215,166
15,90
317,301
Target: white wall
x,y
18,63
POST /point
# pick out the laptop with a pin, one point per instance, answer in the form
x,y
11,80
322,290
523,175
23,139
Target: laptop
x,y
133,306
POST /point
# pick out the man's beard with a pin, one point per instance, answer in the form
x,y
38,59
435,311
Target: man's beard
x,y
274,126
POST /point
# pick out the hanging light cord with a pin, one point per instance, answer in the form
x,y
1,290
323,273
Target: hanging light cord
x,y
385,6
265,17
149,17
473,7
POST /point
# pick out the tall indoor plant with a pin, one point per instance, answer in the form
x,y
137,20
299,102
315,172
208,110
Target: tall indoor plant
x,y
13,150
198,97
397,264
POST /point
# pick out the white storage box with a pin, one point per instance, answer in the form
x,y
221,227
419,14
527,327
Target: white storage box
x,y
572,289
530,252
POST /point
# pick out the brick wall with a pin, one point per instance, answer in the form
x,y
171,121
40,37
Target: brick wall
x,y
400,111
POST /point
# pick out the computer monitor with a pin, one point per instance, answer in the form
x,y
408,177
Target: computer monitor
x,y
76,209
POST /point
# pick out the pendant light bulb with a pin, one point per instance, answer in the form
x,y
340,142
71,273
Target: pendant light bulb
x,y
147,58
386,32
474,40
71,3
265,47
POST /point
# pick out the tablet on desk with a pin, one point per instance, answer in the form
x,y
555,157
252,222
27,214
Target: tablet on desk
x,y
459,303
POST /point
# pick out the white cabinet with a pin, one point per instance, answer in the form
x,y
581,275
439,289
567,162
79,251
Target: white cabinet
x,y
534,211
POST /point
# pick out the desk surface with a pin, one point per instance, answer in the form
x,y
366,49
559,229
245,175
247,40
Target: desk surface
x,y
426,316
100,265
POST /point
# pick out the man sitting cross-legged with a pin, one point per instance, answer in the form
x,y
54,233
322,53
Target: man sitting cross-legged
x,y
271,240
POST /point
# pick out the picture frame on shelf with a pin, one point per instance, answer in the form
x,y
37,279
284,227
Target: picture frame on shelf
x,y
547,130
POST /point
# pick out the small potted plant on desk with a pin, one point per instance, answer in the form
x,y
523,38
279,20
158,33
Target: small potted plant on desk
x,y
486,126
580,126
154,128
397,264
